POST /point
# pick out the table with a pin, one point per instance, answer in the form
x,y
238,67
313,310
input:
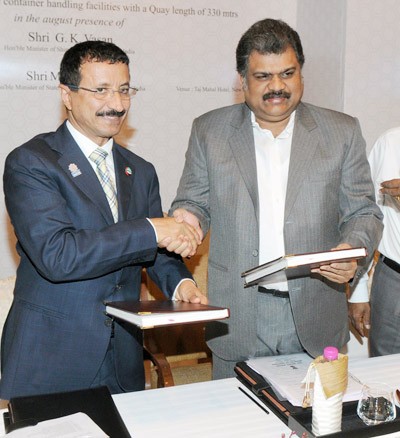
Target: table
x,y
215,409
207,409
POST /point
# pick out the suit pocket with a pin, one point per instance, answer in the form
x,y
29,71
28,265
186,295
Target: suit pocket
x,y
218,266
40,309
324,176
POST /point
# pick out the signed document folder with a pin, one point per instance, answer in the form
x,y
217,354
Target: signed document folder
x,y
97,403
272,380
155,313
299,265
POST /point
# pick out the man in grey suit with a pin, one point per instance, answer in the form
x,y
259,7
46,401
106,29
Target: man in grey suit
x,y
84,234
275,176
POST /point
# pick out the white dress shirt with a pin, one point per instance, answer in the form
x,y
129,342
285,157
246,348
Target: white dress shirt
x,y
272,157
88,146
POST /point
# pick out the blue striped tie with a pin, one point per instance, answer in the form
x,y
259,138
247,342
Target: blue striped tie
x,y
99,157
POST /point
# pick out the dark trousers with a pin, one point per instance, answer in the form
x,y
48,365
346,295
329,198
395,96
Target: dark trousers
x,y
385,311
107,375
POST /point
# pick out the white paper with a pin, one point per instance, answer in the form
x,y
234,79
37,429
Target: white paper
x,y
71,426
220,410
285,374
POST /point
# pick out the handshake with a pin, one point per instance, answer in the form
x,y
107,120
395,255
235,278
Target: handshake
x,y
180,234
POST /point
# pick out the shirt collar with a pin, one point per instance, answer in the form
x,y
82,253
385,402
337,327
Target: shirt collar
x,y
86,145
287,132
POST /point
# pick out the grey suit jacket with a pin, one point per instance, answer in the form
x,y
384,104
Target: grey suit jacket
x,y
329,200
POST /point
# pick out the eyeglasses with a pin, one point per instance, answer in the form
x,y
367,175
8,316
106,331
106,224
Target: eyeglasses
x,y
104,93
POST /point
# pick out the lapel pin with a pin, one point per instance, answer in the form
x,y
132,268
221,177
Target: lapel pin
x,y
74,169
128,171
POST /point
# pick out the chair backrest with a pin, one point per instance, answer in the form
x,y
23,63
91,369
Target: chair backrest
x,y
198,265
6,297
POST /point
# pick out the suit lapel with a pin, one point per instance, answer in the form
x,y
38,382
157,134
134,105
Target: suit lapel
x,y
77,167
242,146
124,176
304,143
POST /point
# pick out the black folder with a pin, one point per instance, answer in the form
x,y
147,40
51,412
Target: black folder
x,y
264,391
97,403
299,419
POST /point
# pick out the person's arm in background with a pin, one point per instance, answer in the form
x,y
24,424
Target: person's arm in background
x,y
359,307
392,188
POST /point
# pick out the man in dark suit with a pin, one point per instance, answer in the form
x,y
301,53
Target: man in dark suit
x,y
275,176
85,231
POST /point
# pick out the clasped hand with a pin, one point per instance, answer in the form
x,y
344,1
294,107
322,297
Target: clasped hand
x,y
176,236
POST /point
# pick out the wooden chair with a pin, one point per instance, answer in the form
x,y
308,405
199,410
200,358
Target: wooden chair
x,y
183,346
157,363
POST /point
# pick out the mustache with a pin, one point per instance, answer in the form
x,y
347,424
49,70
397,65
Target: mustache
x,y
274,94
111,113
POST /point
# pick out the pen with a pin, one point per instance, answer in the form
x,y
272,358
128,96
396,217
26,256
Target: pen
x,y
356,379
253,400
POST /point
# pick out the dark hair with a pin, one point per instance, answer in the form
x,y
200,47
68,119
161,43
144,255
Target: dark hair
x,y
97,51
266,37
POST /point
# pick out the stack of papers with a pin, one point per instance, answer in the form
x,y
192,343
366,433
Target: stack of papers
x,y
287,374
71,426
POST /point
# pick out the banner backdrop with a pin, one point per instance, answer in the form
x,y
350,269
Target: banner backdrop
x,y
182,60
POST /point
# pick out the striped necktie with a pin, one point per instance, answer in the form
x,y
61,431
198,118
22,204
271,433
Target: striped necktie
x,y
99,157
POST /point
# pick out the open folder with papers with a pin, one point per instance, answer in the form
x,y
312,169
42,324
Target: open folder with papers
x,y
278,382
97,403
287,373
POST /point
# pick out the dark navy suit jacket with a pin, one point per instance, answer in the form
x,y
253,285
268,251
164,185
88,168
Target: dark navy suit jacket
x,y
74,259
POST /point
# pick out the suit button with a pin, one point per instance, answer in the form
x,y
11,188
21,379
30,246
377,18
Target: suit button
x,y
255,253
108,322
